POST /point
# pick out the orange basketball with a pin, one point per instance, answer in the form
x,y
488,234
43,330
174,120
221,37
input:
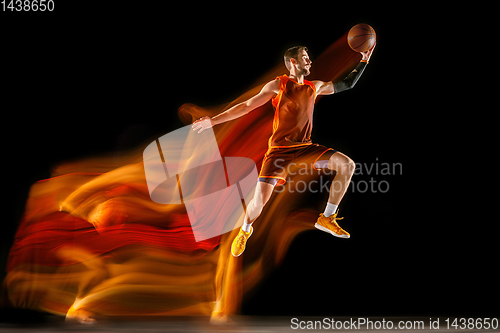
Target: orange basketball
x,y
361,37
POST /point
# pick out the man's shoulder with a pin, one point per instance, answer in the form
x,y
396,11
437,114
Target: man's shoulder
x,y
276,83
283,77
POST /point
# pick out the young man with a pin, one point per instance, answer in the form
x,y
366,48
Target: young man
x,y
293,98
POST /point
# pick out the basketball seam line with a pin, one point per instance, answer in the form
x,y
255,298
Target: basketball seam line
x,y
360,36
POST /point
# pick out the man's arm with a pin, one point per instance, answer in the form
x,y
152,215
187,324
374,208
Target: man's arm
x,y
328,88
268,91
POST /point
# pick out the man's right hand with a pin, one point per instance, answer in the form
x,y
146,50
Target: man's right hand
x,y
202,124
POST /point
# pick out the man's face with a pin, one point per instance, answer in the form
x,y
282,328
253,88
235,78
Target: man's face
x,y
303,63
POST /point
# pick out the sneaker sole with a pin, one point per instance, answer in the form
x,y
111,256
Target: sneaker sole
x,y
236,256
329,231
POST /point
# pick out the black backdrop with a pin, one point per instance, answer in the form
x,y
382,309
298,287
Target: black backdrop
x,y
92,79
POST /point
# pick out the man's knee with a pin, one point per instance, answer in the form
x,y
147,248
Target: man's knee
x,y
351,166
342,163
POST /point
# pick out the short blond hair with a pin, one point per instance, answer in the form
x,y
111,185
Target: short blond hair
x,y
293,52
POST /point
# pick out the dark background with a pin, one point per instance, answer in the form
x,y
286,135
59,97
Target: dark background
x,y
90,79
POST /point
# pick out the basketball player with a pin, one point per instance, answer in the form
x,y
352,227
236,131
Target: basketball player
x,y
293,99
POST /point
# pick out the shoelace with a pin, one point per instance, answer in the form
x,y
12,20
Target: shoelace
x,y
241,240
333,221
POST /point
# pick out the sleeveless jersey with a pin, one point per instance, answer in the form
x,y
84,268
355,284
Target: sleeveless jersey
x,y
294,106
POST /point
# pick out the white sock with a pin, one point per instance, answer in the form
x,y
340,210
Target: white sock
x,y
330,209
246,227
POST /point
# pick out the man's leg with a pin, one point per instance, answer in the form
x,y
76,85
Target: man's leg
x,y
262,194
344,167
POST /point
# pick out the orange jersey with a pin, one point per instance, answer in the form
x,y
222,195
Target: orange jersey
x,y
294,106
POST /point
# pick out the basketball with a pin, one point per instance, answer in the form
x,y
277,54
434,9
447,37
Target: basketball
x,y
361,37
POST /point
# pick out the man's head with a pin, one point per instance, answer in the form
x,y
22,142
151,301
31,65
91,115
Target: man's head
x,y
297,58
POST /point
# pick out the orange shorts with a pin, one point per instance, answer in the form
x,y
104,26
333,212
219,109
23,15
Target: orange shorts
x,y
278,162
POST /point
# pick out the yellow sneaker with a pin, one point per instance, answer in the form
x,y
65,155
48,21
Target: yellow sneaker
x,y
330,225
240,242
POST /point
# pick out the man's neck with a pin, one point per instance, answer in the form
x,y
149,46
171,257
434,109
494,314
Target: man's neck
x,y
296,78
